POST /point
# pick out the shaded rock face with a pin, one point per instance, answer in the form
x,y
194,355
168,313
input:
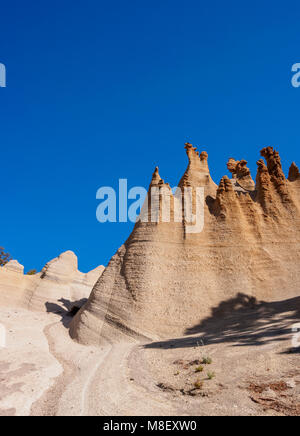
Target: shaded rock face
x,y
59,279
294,173
163,281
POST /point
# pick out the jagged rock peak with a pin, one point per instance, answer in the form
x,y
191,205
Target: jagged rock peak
x,y
275,170
294,173
225,197
194,157
241,174
263,179
197,173
261,166
197,162
203,155
157,180
273,162
238,168
156,177
191,151
263,183
224,186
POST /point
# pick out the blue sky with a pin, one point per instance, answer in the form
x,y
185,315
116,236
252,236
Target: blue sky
x,y
98,91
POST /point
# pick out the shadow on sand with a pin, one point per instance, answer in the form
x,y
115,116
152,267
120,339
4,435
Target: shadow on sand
x,y
242,321
67,309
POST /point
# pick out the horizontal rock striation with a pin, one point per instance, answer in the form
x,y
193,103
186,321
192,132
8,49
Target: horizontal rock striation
x,y
58,280
164,280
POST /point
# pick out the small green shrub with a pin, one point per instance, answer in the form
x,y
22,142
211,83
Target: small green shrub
x,y
4,257
207,360
211,375
32,272
198,384
199,368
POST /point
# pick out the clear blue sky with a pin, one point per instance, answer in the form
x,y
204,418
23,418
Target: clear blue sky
x,y
98,91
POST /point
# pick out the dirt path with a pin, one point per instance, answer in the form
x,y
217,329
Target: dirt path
x,y
98,381
48,403
115,388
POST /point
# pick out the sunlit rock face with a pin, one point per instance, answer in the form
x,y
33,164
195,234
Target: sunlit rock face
x,y
58,281
14,265
165,280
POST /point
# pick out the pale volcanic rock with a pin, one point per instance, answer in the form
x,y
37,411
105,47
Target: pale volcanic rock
x,y
197,172
164,280
14,265
13,284
58,280
62,268
82,283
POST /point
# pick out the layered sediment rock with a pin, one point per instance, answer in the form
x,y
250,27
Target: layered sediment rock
x,y
58,280
14,265
165,279
241,176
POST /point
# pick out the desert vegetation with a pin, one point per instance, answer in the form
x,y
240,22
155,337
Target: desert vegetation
x,y
4,257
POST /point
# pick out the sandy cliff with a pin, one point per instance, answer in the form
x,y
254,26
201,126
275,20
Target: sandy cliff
x,y
164,280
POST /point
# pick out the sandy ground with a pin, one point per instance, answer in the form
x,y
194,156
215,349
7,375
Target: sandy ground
x,y
27,368
252,370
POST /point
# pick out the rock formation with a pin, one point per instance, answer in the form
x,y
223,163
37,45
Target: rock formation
x,y
59,279
164,280
294,173
241,176
14,265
